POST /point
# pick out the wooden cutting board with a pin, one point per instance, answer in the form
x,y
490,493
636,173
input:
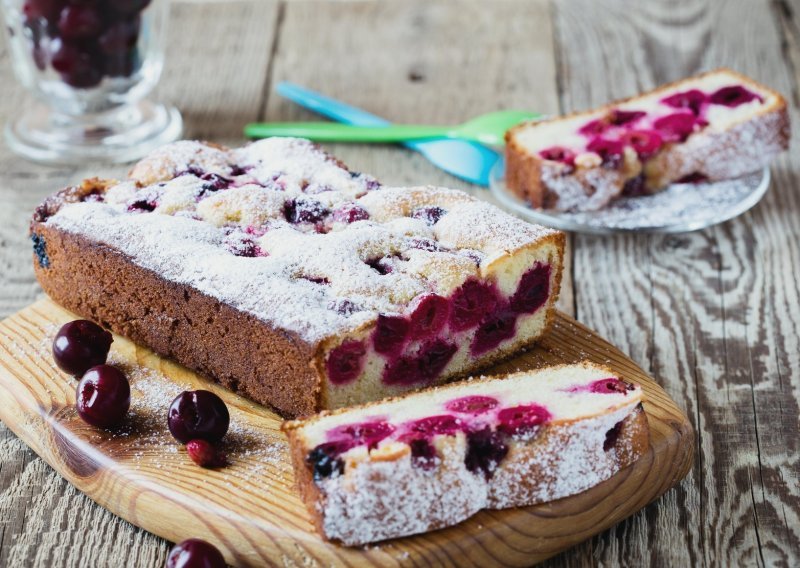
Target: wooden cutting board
x,y
249,509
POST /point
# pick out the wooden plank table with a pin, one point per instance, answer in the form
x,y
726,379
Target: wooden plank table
x,y
714,315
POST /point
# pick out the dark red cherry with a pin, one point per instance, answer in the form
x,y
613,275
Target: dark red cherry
x,y
493,331
611,436
120,64
103,396
304,210
594,127
692,99
80,344
48,9
350,213
635,186
619,117
204,454
198,415
345,362
645,142
429,315
423,454
522,419
485,450
470,303
391,333
324,459
432,426
128,7
558,154
382,265
195,553
79,22
120,37
733,96
433,357
611,385
533,289
475,404
79,67
675,127
369,433
610,151
430,214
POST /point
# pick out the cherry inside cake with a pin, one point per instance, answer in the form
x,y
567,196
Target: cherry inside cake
x,y
717,125
355,290
434,458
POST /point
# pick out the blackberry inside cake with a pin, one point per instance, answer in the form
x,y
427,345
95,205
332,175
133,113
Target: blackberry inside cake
x,y
718,125
277,271
434,458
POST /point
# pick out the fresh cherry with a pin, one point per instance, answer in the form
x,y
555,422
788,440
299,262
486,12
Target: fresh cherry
x,y
81,344
79,67
79,22
195,553
103,396
198,415
204,454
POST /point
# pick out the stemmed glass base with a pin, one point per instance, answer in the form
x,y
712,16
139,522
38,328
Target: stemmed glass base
x,y
123,134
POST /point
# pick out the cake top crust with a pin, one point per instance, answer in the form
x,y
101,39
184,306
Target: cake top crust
x,y
283,231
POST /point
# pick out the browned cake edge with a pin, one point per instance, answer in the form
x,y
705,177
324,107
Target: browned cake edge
x,y
524,170
244,354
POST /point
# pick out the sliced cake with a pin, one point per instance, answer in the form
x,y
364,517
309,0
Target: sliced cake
x,y
714,126
277,271
434,458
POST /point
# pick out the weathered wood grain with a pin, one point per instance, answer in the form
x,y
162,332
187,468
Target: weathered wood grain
x,y
249,509
714,314
670,302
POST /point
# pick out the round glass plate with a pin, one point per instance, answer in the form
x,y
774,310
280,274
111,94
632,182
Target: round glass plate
x,y
679,208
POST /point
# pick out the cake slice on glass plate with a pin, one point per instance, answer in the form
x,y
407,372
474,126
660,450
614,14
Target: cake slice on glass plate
x,y
718,125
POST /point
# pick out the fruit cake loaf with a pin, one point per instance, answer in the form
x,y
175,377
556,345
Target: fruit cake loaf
x,y
434,458
714,126
288,278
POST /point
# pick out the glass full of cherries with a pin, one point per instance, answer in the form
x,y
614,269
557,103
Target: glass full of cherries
x,y
90,64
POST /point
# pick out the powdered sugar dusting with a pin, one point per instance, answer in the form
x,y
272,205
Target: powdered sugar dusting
x,y
261,229
381,493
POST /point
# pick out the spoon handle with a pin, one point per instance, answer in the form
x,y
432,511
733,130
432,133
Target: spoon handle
x,y
333,132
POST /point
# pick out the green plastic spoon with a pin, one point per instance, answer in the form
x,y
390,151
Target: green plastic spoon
x,y
486,129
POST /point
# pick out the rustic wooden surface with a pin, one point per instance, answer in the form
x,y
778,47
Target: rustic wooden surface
x,y
249,509
713,315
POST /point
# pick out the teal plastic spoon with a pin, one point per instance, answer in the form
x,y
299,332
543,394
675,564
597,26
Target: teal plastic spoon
x,y
486,129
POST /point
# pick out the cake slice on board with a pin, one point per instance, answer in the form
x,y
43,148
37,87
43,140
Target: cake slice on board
x,y
434,458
